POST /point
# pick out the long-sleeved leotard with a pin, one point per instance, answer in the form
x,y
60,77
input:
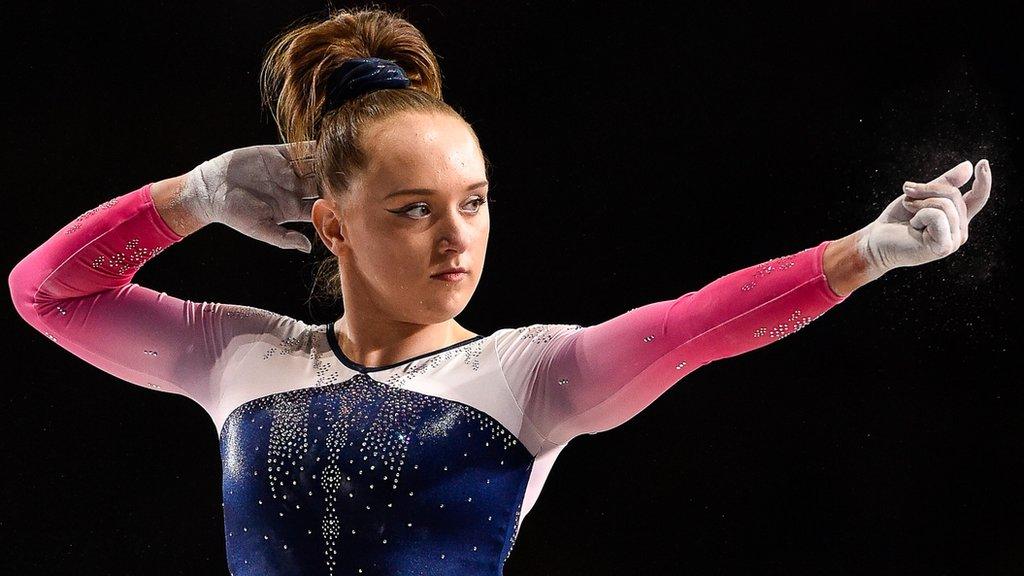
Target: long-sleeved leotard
x,y
426,466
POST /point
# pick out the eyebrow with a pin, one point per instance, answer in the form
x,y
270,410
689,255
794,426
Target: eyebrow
x,y
429,191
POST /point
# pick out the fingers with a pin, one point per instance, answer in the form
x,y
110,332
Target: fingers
x,y
896,211
303,166
955,216
957,175
947,186
977,196
270,232
302,211
307,206
916,193
300,157
292,150
935,230
295,176
306,188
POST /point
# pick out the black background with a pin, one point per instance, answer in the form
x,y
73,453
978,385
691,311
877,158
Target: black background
x,y
640,152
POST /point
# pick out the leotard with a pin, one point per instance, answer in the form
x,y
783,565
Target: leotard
x,y
426,466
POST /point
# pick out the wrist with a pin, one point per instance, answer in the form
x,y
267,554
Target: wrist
x,y
170,203
847,266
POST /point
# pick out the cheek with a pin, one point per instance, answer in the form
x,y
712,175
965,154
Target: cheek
x,y
481,240
385,263
401,263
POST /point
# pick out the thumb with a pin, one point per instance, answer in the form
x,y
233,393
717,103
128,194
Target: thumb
x,y
299,241
270,232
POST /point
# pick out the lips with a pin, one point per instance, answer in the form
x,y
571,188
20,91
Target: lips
x,y
449,271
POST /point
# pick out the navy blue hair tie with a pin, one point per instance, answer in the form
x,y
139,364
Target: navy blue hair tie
x,y
361,75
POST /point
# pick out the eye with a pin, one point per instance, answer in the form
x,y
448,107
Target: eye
x,y
476,203
480,201
416,207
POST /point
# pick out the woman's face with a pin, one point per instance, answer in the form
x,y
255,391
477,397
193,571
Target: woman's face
x,y
391,242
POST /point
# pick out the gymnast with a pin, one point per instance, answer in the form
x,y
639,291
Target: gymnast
x,y
394,441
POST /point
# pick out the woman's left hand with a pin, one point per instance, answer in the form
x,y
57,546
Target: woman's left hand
x,y
928,222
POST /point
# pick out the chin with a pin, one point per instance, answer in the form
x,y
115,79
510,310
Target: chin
x,y
444,310
434,316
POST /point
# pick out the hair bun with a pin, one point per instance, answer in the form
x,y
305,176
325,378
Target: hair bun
x,y
307,74
358,76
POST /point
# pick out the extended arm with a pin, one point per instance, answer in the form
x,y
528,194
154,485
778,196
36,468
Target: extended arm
x,y
572,380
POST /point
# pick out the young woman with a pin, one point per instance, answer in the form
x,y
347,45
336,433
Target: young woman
x,y
393,440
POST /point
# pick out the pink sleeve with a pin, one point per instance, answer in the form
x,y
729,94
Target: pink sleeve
x,y
570,380
76,290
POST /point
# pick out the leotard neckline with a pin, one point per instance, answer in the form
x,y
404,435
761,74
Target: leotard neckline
x,y
332,339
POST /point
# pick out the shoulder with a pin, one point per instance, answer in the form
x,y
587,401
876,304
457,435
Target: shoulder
x,y
533,333
526,343
237,329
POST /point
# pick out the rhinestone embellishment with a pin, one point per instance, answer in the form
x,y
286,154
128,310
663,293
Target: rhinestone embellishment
x,y
77,222
782,330
133,257
783,263
352,436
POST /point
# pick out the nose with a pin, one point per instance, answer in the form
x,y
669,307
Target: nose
x,y
456,231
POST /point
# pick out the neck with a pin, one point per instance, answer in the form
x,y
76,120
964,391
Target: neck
x,y
381,342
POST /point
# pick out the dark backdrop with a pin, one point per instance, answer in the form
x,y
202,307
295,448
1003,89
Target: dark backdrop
x,y
640,151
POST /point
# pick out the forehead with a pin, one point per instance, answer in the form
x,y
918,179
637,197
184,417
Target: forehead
x,y
421,150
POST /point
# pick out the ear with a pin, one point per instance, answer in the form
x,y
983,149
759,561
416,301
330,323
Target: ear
x,y
326,219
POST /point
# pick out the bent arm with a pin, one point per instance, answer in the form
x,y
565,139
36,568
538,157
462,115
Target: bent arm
x,y
76,290
571,380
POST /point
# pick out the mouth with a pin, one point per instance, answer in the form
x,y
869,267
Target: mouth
x,y
451,274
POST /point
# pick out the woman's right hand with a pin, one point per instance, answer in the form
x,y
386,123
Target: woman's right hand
x,y
254,190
